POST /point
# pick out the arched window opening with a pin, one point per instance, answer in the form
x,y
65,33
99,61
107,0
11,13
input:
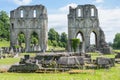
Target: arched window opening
x,y
81,44
79,36
12,26
21,40
92,12
93,39
79,12
34,42
21,13
34,13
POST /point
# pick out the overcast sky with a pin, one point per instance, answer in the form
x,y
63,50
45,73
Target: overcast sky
x,y
108,10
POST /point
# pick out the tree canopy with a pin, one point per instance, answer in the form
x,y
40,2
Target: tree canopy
x,y
4,25
53,35
55,39
116,43
75,43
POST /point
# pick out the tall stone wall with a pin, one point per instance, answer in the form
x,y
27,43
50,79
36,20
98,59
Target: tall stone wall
x,y
84,20
29,19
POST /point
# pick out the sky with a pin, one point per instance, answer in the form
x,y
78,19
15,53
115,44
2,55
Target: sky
x,y
108,13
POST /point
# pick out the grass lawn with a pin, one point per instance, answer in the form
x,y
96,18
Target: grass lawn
x,y
116,51
4,44
95,55
9,61
102,74
55,48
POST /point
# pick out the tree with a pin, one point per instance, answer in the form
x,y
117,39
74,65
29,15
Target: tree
x,y
21,38
53,35
64,37
55,39
116,43
75,43
34,38
55,44
4,25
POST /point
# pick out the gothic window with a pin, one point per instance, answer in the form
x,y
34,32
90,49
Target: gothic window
x,y
12,26
92,12
21,13
34,13
79,12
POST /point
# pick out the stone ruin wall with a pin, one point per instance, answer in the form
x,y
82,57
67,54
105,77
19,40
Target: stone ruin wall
x,y
29,19
84,20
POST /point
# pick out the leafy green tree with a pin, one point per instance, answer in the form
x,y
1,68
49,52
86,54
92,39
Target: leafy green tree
x,y
63,37
56,39
49,42
75,43
4,25
55,43
34,38
60,44
116,43
21,38
53,35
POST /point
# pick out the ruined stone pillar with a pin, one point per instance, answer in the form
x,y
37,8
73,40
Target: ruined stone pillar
x,y
27,43
87,42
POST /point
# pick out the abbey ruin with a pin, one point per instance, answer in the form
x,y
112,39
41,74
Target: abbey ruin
x,y
84,20
29,19
81,20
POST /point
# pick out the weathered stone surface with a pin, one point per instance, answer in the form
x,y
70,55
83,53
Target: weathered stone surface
x,y
118,55
87,60
105,62
84,20
24,68
102,61
29,19
71,60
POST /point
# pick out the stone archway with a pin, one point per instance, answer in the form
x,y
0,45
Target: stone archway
x,y
21,39
93,41
80,36
28,19
34,42
84,18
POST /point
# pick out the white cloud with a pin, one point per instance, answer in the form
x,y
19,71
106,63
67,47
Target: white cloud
x,y
22,2
59,20
110,22
66,8
99,1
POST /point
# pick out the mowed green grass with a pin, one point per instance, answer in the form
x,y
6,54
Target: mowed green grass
x,y
9,61
118,51
4,43
95,55
102,74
